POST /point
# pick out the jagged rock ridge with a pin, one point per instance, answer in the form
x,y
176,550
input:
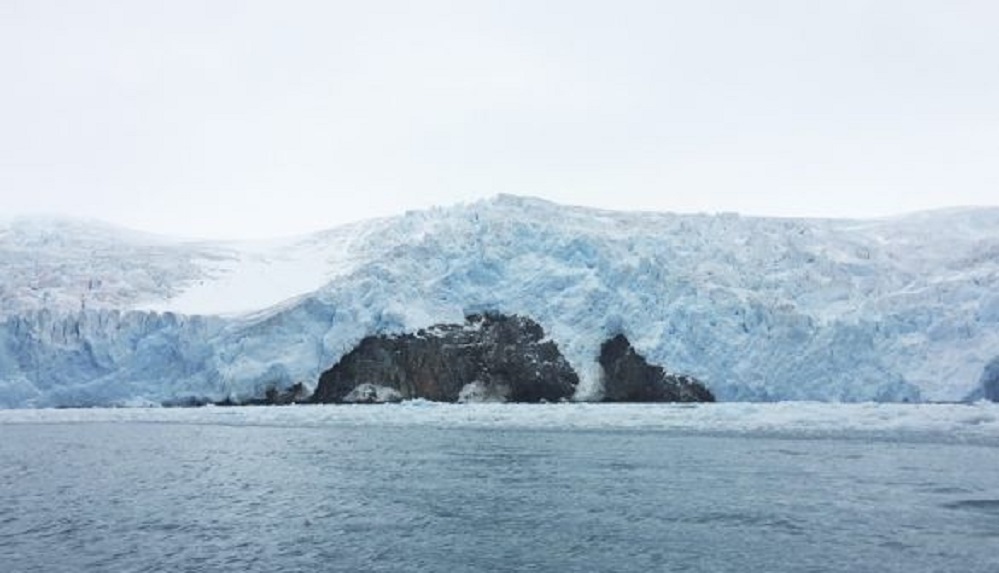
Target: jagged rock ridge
x,y
489,358
629,378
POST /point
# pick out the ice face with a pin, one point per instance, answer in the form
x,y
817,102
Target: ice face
x,y
759,309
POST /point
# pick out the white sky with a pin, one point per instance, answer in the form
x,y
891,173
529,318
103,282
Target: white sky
x,y
255,118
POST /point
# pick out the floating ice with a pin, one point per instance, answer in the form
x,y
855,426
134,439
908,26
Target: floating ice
x,y
973,423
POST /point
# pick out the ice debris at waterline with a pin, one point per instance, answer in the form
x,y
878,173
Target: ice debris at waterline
x,y
895,309
977,422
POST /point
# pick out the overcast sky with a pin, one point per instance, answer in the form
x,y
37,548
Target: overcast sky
x,y
259,118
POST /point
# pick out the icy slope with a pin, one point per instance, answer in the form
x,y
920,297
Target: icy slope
x,y
760,309
66,264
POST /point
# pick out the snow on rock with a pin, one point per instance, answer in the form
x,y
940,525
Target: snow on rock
x,y
372,394
477,392
766,309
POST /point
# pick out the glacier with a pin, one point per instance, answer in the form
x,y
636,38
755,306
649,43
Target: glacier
x,y
760,309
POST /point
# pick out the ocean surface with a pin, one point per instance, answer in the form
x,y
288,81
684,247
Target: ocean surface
x,y
501,488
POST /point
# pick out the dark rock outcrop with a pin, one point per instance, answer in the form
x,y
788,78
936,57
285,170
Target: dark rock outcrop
x,y
629,378
491,357
990,381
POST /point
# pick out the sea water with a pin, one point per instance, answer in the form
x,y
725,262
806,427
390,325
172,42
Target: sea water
x,y
484,488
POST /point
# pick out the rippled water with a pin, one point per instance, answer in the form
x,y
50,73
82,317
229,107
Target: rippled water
x,y
199,496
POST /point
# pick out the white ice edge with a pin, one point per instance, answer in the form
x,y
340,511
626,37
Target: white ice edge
x,y
950,422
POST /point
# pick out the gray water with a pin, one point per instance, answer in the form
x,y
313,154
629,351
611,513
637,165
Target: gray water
x,y
193,497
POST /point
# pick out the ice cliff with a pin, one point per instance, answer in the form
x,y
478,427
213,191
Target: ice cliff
x,y
892,309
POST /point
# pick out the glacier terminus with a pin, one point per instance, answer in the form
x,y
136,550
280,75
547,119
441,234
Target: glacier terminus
x,y
902,309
